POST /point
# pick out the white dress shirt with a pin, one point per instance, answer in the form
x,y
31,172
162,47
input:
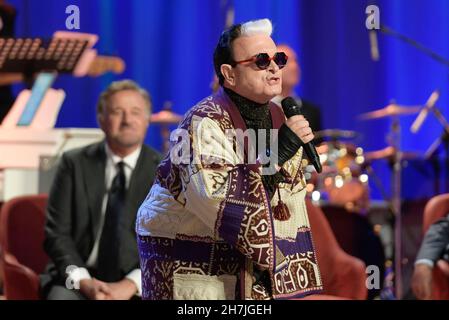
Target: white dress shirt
x,y
111,169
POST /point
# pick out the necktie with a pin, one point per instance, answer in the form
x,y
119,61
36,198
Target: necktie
x,y
108,266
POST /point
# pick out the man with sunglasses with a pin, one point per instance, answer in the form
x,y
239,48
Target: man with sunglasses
x,y
215,225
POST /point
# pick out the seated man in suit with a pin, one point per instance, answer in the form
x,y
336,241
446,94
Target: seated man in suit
x,y
435,246
291,77
89,233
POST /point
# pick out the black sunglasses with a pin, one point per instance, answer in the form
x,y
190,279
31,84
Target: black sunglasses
x,y
263,60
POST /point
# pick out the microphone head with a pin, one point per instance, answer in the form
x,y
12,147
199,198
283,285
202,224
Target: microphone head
x,y
290,107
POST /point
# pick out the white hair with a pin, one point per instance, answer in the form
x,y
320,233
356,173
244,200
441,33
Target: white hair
x,y
251,28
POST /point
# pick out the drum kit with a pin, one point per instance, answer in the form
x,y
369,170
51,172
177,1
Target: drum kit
x,y
346,166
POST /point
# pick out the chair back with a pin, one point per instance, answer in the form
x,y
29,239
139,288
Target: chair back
x,y
22,223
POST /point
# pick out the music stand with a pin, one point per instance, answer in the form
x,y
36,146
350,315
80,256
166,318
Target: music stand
x,y
66,52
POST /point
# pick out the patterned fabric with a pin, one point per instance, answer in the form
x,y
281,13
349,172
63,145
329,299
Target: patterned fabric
x,y
206,225
257,117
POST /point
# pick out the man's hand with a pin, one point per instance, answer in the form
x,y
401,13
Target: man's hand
x,y
422,282
122,290
300,126
94,289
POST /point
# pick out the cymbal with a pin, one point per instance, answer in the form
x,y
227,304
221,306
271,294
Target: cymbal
x,y
335,134
388,153
166,117
389,111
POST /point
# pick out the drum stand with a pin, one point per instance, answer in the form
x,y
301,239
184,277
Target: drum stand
x,y
396,205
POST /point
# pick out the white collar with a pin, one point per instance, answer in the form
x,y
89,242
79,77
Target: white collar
x,y
277,100
130,160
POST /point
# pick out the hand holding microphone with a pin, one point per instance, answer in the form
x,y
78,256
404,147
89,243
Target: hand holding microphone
x,y
300,126
295,133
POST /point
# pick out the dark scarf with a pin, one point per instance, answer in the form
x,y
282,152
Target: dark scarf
x,y
257,117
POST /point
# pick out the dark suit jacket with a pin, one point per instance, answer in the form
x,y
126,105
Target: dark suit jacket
x,y
74,208
435,245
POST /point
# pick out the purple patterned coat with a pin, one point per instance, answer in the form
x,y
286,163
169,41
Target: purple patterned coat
x,y
207,222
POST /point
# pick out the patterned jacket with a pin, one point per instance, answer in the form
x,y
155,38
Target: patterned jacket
x,y
206,226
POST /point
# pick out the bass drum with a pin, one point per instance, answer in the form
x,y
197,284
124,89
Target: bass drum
x,y
342,181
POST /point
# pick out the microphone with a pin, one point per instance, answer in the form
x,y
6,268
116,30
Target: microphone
x,y
373,45
291,108
424,111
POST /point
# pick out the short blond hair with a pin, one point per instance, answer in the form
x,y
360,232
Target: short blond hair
x,y
118,86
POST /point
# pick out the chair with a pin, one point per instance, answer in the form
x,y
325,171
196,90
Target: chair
x,y
435,209
22,222
1,265
343,275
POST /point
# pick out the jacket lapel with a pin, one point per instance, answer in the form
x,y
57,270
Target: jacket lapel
x,y
140,183
94,178
277,115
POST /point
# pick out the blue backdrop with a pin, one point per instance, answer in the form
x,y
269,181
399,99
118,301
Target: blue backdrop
x,y
168,45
